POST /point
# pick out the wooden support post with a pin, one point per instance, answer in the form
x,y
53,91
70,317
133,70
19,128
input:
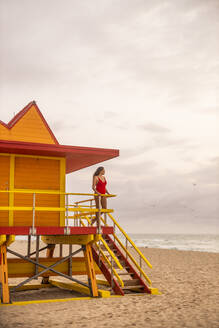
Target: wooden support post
x,y
5,296
90,270
49,254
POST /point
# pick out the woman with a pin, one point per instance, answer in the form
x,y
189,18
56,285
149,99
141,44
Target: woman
x,y
99,187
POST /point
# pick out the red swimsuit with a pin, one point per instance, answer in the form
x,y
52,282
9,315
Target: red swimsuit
x,y
101,186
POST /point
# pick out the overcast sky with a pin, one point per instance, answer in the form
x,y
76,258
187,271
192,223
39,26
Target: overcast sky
x,y
139,76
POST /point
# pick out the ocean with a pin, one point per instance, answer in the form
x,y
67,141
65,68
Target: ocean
x,y
201,243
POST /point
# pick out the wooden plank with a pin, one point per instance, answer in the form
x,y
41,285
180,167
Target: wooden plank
x,y
22,268
91,270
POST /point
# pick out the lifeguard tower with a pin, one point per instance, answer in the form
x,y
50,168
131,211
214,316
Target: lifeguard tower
x,y
34,203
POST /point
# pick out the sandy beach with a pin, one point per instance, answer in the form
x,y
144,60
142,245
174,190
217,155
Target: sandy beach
x,y
189,282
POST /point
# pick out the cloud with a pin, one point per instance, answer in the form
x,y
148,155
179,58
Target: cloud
x,y
154,128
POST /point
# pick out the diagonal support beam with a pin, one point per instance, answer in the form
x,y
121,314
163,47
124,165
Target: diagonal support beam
x,y
50,268
90,270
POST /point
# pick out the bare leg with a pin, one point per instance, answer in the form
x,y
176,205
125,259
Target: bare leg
x,y
103,202
96,198
104,205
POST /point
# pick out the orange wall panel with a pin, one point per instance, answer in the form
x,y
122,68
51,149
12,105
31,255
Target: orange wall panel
x,y
25,218
4,172
37,173
30,128
4,185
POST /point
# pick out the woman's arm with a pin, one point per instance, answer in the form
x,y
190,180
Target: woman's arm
x,y
107,192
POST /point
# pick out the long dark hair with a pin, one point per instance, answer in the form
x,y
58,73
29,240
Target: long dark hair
x,y
98,170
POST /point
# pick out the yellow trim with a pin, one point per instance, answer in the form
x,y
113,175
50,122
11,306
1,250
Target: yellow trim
x,y
78,288
111,254
10,240
62,189
75,239
155,291
47,191
133,260
11,188
35,156
37,191
2,239
5,154
29,208
102,282
48,301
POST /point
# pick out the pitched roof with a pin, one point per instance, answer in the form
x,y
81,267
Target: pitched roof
x,y
76,157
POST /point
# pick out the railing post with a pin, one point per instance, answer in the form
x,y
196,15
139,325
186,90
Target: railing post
x,y
98,216
140,264
37,254
76,220
91,213
29,246
33,222
126,246
105,217
66,208
112,273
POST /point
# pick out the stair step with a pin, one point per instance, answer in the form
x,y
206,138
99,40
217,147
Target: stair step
x,y
131,282
132,287
125,274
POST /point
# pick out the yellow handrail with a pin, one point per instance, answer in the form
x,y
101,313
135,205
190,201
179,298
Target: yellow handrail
x,y
111,254
114,271
104,256
132,258
131,242
24,191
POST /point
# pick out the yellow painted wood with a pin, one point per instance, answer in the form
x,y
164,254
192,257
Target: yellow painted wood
x,y
11,188
22,268
10,240
111,254
3,239
155,291
76,239
90,270
28,208
78,288
102,282
52,301
62,189
4,274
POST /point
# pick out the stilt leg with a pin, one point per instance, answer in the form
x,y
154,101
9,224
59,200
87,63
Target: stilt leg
x,y
90,270
49,254
5,296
